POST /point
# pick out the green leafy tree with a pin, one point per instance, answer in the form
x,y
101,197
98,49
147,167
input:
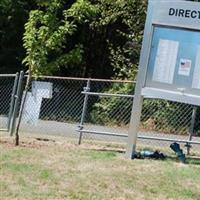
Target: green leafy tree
x,y
45,39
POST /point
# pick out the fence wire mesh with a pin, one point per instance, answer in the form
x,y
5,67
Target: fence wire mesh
x,y
54,106
160,118
108,110
6,87
169,120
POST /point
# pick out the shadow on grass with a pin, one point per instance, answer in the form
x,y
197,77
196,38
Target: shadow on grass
x,y
109,150
189,160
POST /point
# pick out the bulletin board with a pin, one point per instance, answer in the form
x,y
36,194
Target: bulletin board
x,y
174,62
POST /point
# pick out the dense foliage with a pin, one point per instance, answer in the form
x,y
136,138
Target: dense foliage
x,y
100,38
87,38
13,16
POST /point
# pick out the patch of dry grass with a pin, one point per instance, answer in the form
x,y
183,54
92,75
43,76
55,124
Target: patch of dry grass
x,y
58,169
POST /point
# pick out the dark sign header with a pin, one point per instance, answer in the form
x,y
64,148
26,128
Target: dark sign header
x,y
186,13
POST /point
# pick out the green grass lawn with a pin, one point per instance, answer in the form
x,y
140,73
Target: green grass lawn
x,y
62,170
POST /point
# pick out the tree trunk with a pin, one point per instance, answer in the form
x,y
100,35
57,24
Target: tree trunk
x,y
28,81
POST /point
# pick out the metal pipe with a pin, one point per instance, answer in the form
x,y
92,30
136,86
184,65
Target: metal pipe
x,y
85,79
139,137
102,133
7,75
108,94
86,89
16,105
167,139
191,129
10,115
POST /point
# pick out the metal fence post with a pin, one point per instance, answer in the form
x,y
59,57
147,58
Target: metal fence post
x,y
191,129
80,127
16,104
12,101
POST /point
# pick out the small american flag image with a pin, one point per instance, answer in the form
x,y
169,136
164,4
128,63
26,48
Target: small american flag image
x,y
185,67
186,64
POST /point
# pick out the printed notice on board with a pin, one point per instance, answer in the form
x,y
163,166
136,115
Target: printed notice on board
x,y
185,66
196,76
165,62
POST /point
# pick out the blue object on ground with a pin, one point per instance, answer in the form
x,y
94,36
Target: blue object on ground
x,y
149,154
179,152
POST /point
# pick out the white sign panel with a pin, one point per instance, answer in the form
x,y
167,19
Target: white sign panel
x,y
165,62
33,102
31,109
185,66
196,77
43,89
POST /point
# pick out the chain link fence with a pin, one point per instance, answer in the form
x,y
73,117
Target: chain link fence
x,y
95,109
163,122
108,113
53,106
108,110
7,82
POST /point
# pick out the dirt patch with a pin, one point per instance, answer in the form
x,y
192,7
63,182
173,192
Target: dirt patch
x,y
26,142
39,142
